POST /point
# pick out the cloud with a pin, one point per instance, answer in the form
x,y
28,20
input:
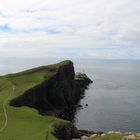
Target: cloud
x,y
104,24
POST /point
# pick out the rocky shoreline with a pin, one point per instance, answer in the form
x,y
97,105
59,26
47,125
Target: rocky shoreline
x,y
101,135
70,132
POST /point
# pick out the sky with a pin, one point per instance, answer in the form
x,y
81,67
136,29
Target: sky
x,y
107,29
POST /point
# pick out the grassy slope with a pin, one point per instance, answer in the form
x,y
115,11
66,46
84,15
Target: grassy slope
x,y
24,123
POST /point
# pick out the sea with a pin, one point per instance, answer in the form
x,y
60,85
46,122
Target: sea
x,y
113,99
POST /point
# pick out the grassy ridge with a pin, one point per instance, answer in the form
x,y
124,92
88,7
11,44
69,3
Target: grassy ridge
x,y
25,123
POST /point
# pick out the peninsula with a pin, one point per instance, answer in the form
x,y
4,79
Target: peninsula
x,y
32,100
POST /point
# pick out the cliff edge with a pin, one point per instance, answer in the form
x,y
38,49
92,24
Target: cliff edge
x,y
60,88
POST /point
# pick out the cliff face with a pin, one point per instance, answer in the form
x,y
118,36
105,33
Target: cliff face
x,y
59,89
67,132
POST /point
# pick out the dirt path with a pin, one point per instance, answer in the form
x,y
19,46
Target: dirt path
x,y
4,109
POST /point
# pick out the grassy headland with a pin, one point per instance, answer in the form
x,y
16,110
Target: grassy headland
x,y
25,123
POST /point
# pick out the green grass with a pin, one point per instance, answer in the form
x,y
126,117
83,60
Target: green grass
x,y
108,137
25,123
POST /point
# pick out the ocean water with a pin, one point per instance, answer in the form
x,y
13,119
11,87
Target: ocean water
x,y
113,99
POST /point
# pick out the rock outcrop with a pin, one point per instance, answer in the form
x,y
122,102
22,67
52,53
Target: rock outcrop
x,y
61,89
67,132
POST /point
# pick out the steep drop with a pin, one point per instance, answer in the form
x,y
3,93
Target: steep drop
x,y
60,88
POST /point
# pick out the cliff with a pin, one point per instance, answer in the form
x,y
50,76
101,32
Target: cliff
x,y
59,88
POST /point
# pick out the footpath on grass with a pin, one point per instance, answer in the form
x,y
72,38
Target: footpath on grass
x,y
4,108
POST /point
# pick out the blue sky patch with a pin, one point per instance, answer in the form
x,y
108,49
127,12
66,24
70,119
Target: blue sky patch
x,y
5,28
53,31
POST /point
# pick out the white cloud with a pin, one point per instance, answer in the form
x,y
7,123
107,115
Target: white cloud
x,y
75,23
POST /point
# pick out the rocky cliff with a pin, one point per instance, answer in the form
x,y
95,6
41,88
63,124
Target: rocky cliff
x,y
60,88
